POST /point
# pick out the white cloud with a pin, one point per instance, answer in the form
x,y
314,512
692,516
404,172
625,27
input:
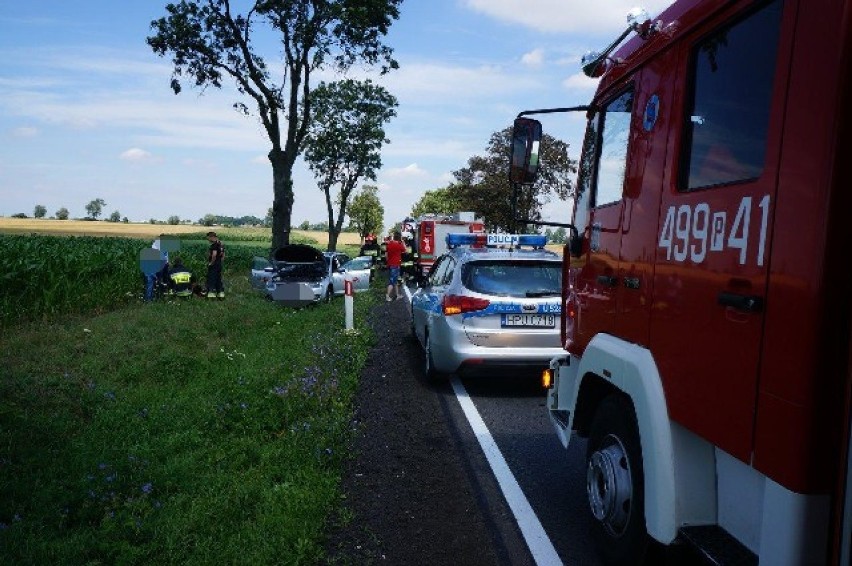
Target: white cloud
x,y
412,170
572,16
136,154
580,82
534,58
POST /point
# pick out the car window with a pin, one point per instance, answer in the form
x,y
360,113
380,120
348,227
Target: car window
x,y
513,278
439,271
728,115
354,264
451,268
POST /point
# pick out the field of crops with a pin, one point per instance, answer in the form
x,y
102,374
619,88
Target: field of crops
x,y
151,231
51,267
42,276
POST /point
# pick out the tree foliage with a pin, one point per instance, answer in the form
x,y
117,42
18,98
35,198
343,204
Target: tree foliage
x,y
115,216
95,208
209,43
438,201
366,213
62,214
344,141
39,211
483,186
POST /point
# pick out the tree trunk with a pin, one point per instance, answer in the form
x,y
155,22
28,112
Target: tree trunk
x,y
282,202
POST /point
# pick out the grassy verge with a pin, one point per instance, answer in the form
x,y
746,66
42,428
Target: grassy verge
x,y
178,432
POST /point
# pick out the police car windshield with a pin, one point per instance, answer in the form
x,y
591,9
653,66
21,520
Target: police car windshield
x,y
513,278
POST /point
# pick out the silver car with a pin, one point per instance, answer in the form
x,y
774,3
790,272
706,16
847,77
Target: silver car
x,y
299,275
489,307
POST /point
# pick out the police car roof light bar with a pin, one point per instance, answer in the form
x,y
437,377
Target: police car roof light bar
x,y
496,240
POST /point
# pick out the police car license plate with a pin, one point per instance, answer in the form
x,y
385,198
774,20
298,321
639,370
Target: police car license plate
x,y
528,320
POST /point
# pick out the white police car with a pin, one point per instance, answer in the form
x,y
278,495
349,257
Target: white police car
x,y
491,302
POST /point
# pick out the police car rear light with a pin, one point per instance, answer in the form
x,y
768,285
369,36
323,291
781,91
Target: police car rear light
x,y
458,304
493,240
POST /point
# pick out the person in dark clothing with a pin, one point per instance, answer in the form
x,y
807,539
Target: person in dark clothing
x,y
180,279
215,258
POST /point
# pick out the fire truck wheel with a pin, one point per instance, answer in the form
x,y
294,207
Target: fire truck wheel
x,y
615,482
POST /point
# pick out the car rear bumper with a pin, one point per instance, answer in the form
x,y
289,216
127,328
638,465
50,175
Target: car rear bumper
x,y
470,357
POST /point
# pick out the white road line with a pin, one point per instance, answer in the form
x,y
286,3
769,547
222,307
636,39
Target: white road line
x,y
537,540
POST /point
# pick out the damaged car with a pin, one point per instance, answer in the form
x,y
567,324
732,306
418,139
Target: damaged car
x,y
299,275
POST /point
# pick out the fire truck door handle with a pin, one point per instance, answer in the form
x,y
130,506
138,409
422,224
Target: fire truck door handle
x,y
607,280
744,303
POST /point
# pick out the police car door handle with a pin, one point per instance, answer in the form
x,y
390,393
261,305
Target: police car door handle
x,y
607,280
744,303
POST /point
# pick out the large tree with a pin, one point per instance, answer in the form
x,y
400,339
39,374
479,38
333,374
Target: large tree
x,y
39,211
438,201
209,42
95,208
366,213
483,186
344,141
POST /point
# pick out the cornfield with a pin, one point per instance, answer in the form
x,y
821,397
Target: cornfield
x,y
43,276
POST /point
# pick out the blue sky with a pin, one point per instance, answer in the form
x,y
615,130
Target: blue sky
x,y
86,110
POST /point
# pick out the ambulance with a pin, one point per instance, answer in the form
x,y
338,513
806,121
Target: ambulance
x,y
706,307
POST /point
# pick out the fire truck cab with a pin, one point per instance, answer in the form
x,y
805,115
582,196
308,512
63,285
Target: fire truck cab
x,y
706,302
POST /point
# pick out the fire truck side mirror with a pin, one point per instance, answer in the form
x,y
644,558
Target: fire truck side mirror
x,y
526,139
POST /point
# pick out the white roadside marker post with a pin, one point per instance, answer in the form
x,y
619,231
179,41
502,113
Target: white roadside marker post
x,y
348,302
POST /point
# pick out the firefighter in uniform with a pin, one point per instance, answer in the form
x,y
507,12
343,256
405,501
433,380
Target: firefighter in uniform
x,y
180,279
215,255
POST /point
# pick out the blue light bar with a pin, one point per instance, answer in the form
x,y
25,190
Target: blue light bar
x,y
495,240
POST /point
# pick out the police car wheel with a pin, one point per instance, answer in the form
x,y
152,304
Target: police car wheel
x,y
429,368
615,482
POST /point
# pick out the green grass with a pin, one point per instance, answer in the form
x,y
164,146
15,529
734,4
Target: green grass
x,y
178,432
42,277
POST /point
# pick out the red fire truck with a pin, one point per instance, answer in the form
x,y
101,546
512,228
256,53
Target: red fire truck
x,y
430,235
706,296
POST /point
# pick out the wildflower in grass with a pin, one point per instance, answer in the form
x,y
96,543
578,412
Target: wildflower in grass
x,y
110,396
87,331
103,466
243,406
147,488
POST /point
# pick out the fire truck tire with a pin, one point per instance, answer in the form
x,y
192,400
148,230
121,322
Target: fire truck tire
x,y
615,482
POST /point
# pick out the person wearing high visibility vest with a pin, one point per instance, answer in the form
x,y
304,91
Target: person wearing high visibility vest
x,y
180,279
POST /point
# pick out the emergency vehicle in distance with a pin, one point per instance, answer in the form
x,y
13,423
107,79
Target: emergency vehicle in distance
x,y
706,305
428,235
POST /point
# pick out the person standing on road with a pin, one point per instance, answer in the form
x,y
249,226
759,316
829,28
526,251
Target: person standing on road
x,y
393,254
215,257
